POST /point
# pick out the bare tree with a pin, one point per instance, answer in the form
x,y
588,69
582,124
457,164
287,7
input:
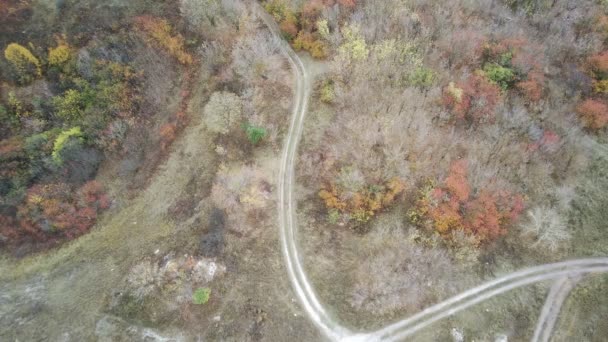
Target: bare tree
x,y
223,112
546,226
255,58
401,275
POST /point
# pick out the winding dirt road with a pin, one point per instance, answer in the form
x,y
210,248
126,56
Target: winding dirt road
x,y
303,289
400,330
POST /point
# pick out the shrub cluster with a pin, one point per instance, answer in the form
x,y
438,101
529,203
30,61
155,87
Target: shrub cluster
x,y
593,111
56,211
502,66
304,28
451,207
475,100
362,205
159,33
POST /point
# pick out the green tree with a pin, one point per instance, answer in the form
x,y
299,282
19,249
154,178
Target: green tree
x,y
500,75
422,77
255,133
7,121
201,295
16,107
327,91
62,140
38,147
70,106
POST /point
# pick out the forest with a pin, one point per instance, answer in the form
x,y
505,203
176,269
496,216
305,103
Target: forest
x,y
75,101
444,144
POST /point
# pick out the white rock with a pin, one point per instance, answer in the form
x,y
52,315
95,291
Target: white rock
x,y
457,335
501,338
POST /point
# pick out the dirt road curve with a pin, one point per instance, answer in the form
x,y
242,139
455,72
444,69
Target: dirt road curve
x,y
307,297
304,291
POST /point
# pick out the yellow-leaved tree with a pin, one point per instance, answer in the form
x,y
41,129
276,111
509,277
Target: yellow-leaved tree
x,y
24,62
60,54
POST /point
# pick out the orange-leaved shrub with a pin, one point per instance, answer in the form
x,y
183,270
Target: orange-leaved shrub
x,y
532,87
593,113
306,41
300,28
56,211
348,3
364,204
167,134
159,32
456,182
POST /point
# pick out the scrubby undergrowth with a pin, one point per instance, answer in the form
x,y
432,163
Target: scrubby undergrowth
x,y
492,117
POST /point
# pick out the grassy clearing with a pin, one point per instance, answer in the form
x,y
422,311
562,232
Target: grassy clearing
x,y
583,316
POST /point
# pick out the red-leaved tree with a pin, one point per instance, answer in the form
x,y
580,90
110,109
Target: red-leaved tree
x,y
55,211
474,100
456,182
452,207
593,113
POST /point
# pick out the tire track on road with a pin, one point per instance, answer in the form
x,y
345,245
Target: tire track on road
x,y
550,312
407,327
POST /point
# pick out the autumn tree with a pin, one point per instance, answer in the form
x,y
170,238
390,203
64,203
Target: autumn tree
x,y
57,211
60,54
304,28
593,113
160,33
474,100
167,135
598,65
24,62
362,202
92,194
451,207
456,182
306,41
309,14
532,87
348,3
354,47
